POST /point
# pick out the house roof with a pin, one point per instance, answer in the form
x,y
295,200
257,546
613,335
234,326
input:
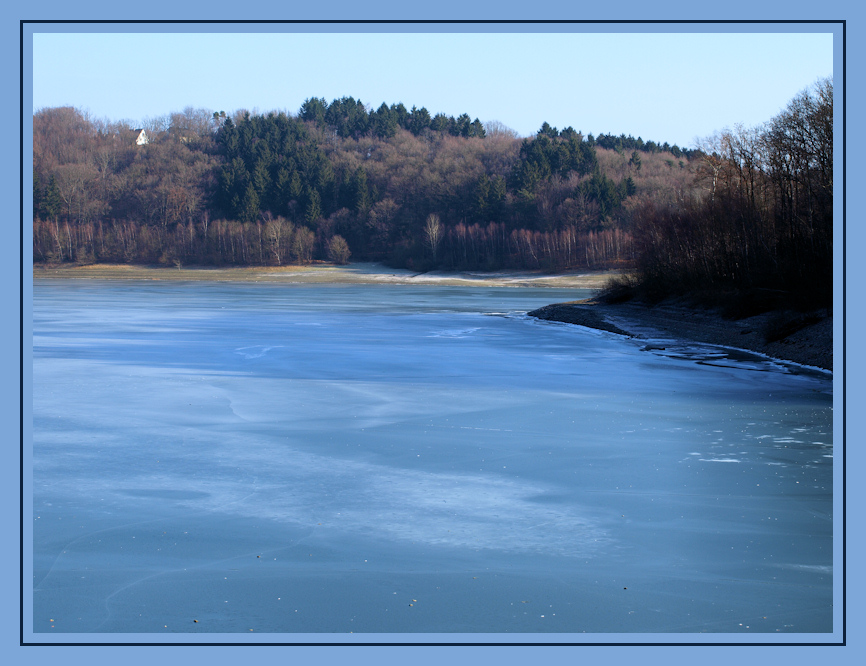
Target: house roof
x,y
139,134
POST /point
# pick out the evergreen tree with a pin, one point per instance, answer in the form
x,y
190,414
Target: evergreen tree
x,y
419,120
313,109
582,157
282,185
481,197
384,122
295,186
400,114
346,190
477,129
362,201
462,125
547,130
568,134
52,204
250,205
232,184
440,122
348,116
314,206
496,199
261,178
37,194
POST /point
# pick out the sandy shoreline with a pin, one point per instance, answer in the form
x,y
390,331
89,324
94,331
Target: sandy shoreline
x,y
358,273
811,345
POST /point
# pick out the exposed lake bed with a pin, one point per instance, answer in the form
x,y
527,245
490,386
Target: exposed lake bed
x,y
809,342
325,273
331,457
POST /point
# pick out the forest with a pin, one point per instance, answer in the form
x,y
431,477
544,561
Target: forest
x,y
758,225
749,208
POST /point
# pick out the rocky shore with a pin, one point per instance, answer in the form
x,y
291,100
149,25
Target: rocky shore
x,y
806,339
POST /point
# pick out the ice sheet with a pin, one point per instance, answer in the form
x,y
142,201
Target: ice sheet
x,y
210,452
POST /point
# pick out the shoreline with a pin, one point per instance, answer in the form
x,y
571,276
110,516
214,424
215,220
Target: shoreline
x,y
355,273
808,345
807,341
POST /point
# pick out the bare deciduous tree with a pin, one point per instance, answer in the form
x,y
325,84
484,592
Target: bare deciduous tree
x,y
302,245
433,233
273,236
338,250
494,128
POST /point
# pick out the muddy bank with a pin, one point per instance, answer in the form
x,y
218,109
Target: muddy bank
x,y
804,339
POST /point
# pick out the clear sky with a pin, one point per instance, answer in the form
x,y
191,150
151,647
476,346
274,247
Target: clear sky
x,y
673,87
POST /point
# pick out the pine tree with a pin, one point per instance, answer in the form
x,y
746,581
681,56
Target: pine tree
x,y
547,130
250,205
496,198
52,202
384,122
480,200
362,193
419,120
463,125
37,194
314,206
314,109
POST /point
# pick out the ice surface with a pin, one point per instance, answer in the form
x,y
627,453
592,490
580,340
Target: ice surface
x,y
286,458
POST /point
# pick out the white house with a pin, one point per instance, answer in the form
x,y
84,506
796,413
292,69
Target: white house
x,y
140,137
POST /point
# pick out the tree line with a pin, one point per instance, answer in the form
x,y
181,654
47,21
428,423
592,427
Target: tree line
x,y
749,211
759,222
335,181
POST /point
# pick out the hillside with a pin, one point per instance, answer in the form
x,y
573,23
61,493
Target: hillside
x,y
340,181
746,219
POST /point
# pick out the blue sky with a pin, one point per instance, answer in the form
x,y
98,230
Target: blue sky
x,y
673,87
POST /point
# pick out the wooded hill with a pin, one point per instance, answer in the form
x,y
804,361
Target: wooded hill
x,y
338,180
749,210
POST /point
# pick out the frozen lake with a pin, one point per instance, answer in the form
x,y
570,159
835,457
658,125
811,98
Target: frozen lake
x,y
227,457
